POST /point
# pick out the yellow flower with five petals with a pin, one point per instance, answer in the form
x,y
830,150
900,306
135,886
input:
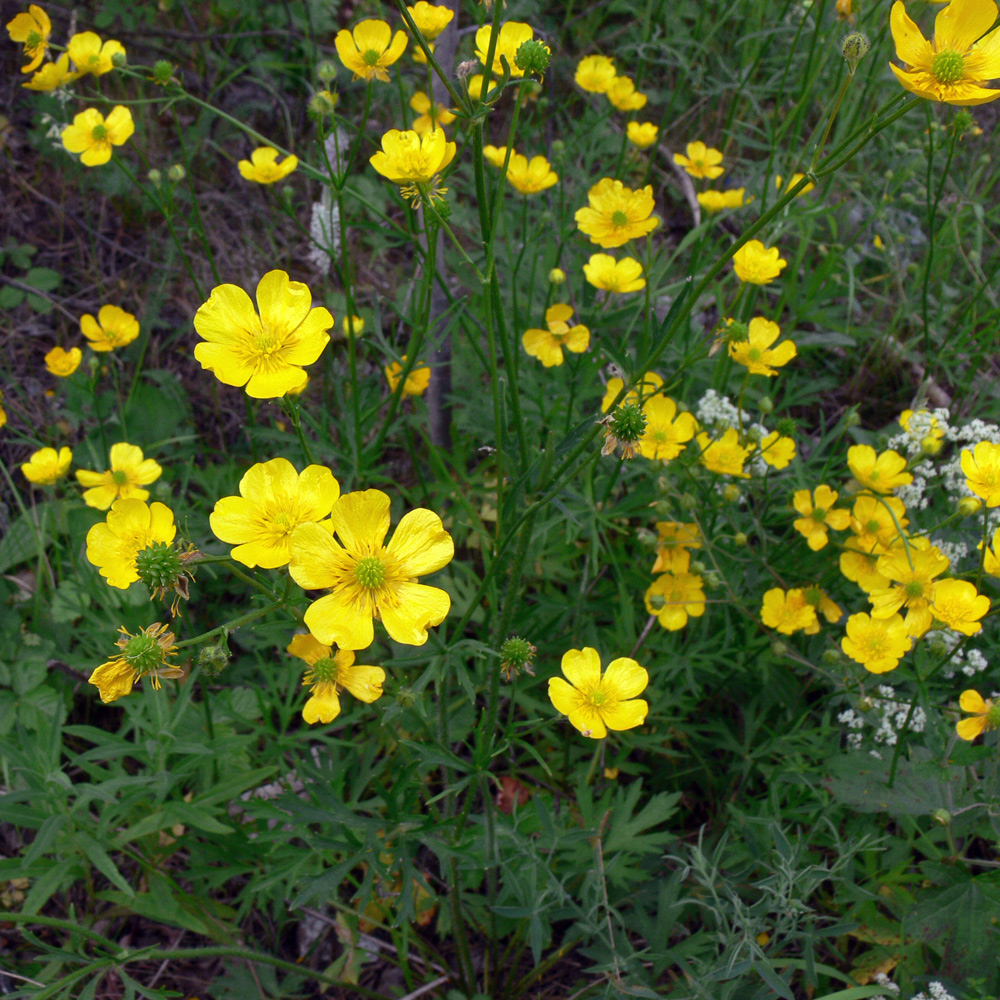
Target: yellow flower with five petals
x,y
125,480
595,703
368,579
263,353
370,49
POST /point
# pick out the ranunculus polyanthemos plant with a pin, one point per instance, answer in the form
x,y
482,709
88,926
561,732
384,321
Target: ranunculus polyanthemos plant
x,y
899,537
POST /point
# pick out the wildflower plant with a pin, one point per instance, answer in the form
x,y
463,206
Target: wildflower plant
x,y
488,383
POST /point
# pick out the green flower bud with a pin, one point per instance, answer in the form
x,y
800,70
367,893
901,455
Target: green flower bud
x,y
326,70
941,816
215,658
766,404
176,173
557,276
163,72
154,176
779,649
786,427
740,539
118,59
854,48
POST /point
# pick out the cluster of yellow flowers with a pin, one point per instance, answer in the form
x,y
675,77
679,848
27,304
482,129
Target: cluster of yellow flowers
x,y
328,541
899,571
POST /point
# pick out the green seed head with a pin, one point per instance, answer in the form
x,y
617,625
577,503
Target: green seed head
x,y
532,56
158,565
516,655
325,670
628,422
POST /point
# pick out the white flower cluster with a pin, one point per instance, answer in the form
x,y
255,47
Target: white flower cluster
x,y
891,714
324,224
954,552
921,423
967,661
854,721
935,991
881,979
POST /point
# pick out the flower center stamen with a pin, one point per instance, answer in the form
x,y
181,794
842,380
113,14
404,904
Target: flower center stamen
x,y
371,57
119,477
370,572
325,671
948,67
619,218
99,133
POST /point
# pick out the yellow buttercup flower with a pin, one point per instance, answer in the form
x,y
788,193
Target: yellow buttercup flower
x,y
368,579
673,541
31,28
114,544
53,75
985,715
91,55
416,382
604,272
144,654
530,176
646,387
667,431
353,326
959,605
878,473
776,450
63,363
616,214
46,466
877,644
910,569
495,155
991,557
3,413
725,456
701,161
264,353
622,94
112,329
331,672
717,201
818,515
93,136
954,65
370,49
431,20
595,74
642,135
547,345
787,611
756,264
778,181
263,166
413,161
595,704
421,103
675,597
982,471
129,472
274,499
513,34
874,522
756,352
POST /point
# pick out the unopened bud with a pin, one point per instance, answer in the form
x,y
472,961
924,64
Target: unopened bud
x,y
941,816
118,59
163,72
176,173
968,506
326,70
730,493
854,48
779,649
215,658
646,538
766,405
740,539
154,176
557,276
